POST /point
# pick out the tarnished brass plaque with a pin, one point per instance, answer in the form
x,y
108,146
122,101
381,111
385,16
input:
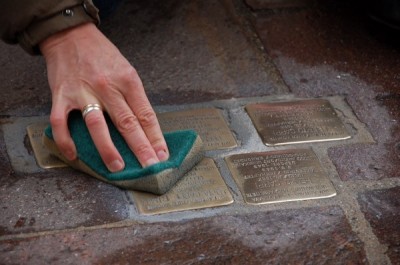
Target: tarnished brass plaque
x,y
293,122
209,124
202,187
42,155
280,176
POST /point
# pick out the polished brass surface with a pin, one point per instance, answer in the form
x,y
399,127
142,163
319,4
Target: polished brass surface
x,y
43,157
209,124
294,122
280,176
202,187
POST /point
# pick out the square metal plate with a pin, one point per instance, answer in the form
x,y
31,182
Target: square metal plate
x,y
294,122
209,124
280,176
202,187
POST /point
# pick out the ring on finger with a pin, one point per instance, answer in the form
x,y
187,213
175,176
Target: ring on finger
x,y
89,108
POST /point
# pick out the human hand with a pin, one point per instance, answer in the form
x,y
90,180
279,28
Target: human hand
x,y
84,67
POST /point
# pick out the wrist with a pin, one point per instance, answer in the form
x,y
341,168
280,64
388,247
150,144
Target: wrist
x,y
66,36
57,17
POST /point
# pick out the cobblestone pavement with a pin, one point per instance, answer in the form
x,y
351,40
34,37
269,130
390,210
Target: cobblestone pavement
x,y
220,54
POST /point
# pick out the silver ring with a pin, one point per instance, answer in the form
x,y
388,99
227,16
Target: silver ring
x,y
89,108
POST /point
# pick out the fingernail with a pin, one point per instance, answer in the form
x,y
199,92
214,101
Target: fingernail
x,y
151,161
162,155
116,166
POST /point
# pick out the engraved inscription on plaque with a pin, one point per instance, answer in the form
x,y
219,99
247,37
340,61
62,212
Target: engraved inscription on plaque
x,y
202,187
293,122
209,124
43,157
280,176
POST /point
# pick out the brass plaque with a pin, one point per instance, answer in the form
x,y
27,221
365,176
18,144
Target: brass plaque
x,y
43,157
294,122
209,124
280,176
202,187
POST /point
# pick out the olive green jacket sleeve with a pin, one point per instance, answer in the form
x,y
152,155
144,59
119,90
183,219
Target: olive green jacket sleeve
x,y
28,22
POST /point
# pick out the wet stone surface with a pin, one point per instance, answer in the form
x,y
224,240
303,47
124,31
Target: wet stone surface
x,y
279,237
332,48
190,51
382,210
57,200
369,163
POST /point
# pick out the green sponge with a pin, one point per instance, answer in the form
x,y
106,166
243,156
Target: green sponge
x,y
185,148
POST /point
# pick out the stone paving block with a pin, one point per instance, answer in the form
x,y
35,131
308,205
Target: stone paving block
x,y
184,51
330,50
382,210
238,122
304,236
57,200
23,79
191,51
364,162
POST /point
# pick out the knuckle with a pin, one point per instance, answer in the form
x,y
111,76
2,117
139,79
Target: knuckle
x,y
63,145
108,154
131,78
127,81
101,81
93,120
143,150
127,123
130,73
147,118
56,121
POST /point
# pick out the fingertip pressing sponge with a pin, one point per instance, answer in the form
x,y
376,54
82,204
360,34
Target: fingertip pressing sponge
x,y
185,148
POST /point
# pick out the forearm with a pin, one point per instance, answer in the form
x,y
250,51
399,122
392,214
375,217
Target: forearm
x,y
29,22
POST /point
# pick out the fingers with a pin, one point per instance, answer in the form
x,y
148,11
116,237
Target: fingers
x,y
149,124
137,100
130,128
81,73
99,132
62,137
140,130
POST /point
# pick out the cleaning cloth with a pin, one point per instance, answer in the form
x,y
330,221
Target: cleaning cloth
x,y
185,148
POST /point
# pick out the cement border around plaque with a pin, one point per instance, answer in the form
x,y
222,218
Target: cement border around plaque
x,y
42,155
209,123
297,121
202,187
280,176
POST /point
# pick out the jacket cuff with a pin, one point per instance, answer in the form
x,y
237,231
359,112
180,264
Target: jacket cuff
x,y
67,18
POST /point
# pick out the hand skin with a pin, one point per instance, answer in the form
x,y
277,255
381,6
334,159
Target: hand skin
x,y
84,67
